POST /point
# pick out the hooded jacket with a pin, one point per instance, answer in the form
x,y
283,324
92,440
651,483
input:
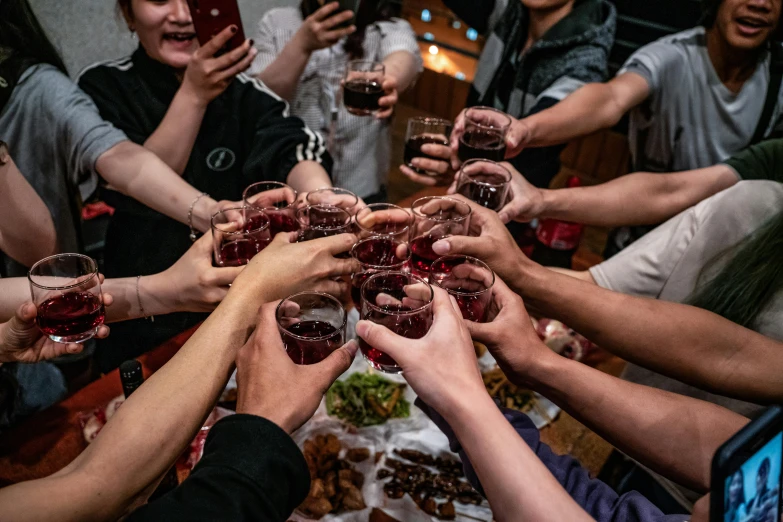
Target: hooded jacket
x,y
573,52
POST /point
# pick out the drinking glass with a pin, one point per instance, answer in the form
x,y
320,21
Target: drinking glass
x,y
421,131
238,234
377,254
434,218
469,280
363,87
401,302
334,197
383,219
67,292
277,200
312,326
484,182
316,221
485,134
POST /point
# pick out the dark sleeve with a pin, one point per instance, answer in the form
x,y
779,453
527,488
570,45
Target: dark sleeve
x,y
251,470
113,106
475,14
539,164
762,161
280,140
599,500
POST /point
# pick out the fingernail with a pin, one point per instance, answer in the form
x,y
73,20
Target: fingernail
x,y
441,247
352,347
233,28
251,42
361,328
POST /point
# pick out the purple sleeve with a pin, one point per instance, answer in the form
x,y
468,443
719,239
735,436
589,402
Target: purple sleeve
x,y
599,500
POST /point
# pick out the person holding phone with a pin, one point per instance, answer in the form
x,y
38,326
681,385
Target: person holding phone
x,y
302,57
218,128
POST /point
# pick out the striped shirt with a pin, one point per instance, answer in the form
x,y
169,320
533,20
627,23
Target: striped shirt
x,y
360,146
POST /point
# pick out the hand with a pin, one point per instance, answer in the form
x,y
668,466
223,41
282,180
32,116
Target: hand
x,y
441,367
318,30
493,244
286,267
21,340
271,385
525,202
517,138
389,99
701,510
194,284
438,172
206,76
509,335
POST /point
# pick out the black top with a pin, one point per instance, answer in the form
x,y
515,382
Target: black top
x,y
246,136
251,470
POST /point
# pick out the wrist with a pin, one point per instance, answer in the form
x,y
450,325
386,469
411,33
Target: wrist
x,y
273,413
159,294
542,372
465,406
203,210
189,96
545,203
300,43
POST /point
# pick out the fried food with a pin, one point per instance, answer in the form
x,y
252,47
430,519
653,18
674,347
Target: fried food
x,y
509,394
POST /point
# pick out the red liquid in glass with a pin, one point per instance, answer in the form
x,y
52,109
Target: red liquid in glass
x,y
473,307
422,254
413,326
240,252
481,145
413,149
311,352
70,314
490,197
378,252
361,96
278,222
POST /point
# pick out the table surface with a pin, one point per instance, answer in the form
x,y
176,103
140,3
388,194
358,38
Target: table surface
x,y
49,440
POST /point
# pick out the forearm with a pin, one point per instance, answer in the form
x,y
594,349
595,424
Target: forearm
x,y
148,296
173,140
401,65
683,342
307,176
518,485
148,433
282,75
672,434
138,173
636,199
13,292
27,232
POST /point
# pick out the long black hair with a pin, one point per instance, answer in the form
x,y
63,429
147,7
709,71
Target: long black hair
x,y
369,12
23,35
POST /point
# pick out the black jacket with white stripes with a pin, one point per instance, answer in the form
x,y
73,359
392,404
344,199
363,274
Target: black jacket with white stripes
x,y
246,136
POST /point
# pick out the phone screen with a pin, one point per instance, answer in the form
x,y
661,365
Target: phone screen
x,y
752,491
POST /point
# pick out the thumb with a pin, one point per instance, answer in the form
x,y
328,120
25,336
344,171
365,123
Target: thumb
x,y
517,137
470,246
26,313
383,339
480,332
338,361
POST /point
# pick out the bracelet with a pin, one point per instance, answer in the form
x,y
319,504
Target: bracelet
x,y
193,233
138,298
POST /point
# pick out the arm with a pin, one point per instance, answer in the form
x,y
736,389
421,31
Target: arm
x,y
206,77
27,232
308,176
674,435
281,72
154,425
403,67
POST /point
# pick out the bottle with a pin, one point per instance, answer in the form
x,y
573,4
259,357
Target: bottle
x,y
132,377
557,241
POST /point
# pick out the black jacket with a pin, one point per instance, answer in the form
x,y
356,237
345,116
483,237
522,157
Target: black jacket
x,y
246,136
251,470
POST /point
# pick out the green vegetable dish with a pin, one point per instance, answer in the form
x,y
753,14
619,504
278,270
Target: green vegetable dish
x,y
365,399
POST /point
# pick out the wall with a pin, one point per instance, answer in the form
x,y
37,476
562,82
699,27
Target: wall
x,y
86,31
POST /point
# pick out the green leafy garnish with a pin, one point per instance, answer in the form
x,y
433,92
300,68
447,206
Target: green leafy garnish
x,y
365,399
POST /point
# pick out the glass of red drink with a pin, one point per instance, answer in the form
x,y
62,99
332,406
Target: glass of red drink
x,y
377,254
334,197
277,200
435,218
384,219
363,87
421,131
238,234
469,280
401,302
484,136
485,182
312,325
316,221
67,292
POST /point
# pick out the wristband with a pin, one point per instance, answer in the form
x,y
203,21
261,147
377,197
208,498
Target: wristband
x,y
193,233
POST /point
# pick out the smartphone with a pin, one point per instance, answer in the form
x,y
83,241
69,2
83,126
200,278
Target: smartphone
x,y
746,472
311,6
212,16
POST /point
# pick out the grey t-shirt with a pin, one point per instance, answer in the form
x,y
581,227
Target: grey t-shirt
x,y
691,120
55,135
668,262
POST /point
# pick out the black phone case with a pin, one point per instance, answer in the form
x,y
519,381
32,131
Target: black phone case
x,y
735,451
311,6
